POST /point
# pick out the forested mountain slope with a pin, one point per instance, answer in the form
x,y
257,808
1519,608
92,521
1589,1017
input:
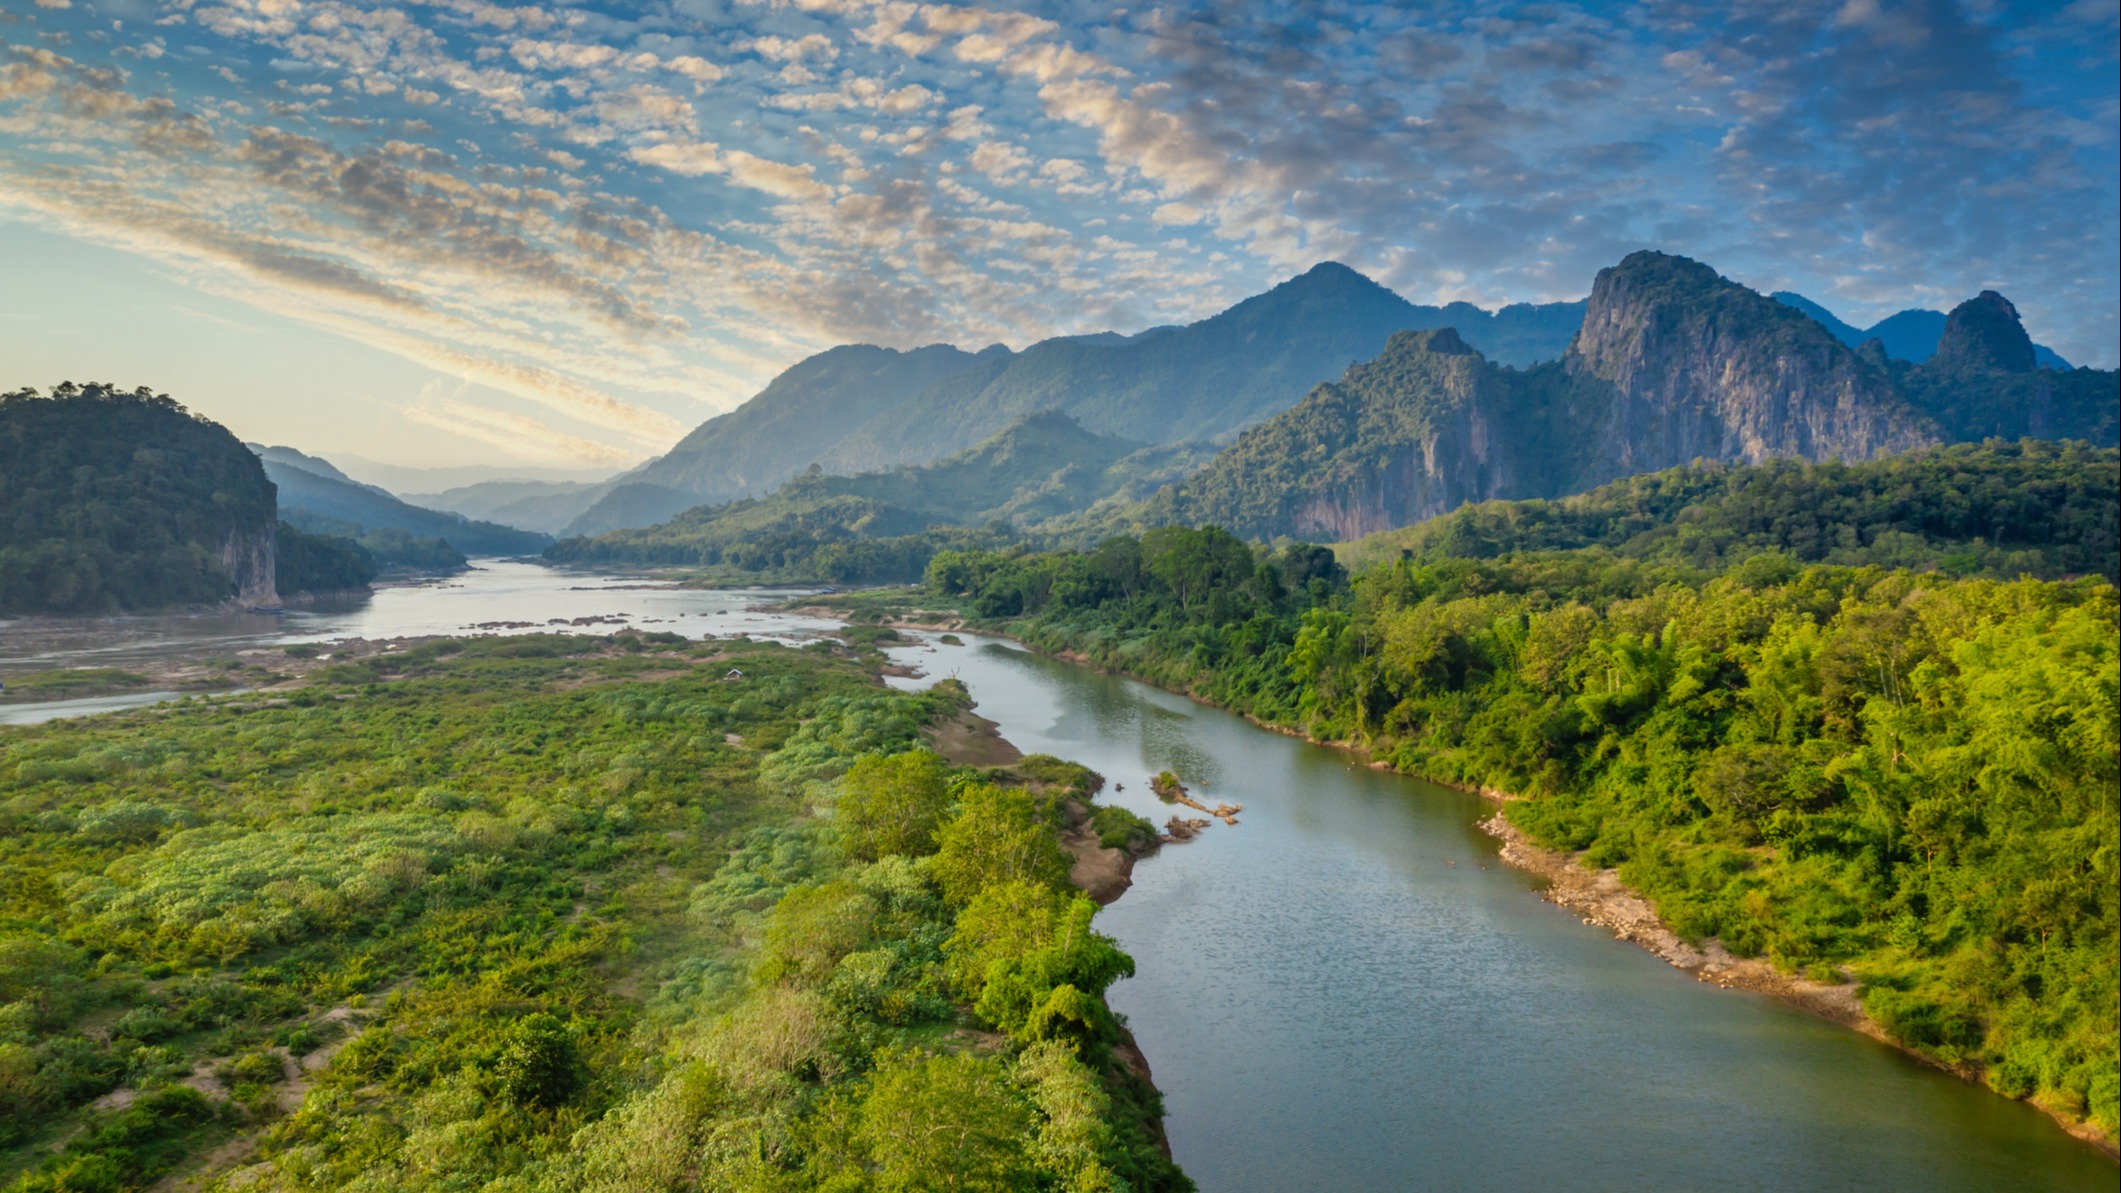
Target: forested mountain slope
x,y
328,505
1999,509
1195,382
876,526
859,408
1672,364
1985,380
545,506
113,501
794,422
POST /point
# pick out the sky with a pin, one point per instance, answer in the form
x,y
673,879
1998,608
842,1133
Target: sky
x,y
457,232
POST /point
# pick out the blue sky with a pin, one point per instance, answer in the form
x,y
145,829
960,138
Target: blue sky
x,y
457,231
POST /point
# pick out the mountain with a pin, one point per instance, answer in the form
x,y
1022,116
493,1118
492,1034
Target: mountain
x,y
1672,363
1986,381
335,504
400,479
1035,469
113,501
541,505
860,408
2001,509
1198,382
1911,335
792,423
315,465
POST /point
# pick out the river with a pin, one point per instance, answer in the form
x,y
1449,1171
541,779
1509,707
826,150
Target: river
x,y
1347,990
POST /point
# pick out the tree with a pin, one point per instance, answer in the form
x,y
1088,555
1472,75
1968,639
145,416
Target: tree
x,y
994,838
891,804
945,1123
538,1065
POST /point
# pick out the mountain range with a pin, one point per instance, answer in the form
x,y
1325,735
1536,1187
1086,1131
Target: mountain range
x,y
1673,363
1670,363
1911,335
859,408
317,497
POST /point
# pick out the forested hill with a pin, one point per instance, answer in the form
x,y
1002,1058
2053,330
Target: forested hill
x,y
1999,509
882,526
114,501
1673,363
860,408
337,504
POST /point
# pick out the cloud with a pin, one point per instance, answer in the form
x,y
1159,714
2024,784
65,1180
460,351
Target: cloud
x,y
627,219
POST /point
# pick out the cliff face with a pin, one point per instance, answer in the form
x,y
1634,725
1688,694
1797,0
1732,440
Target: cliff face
x,y
249,555
1672,364
1699,367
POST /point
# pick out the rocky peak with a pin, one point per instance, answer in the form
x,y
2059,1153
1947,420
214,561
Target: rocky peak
x,y
1702,366
1984,333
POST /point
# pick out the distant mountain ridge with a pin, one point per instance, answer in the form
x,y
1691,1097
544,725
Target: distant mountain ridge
x,y
860,408
1911,335
1672,363
317,497
1040,467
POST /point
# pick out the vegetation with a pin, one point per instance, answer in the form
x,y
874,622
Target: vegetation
x,y
858,408
1691,365
393,551
320,563
508,913
1906,777
114,501
1999,509
318,498
62,683
882,527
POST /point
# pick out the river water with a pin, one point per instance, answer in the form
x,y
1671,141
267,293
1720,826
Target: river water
x,y
1347,990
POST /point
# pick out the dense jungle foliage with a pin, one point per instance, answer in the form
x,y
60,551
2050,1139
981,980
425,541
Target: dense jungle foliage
x,y
320,563
114,501
392,550
553,913
1997,508
1907,778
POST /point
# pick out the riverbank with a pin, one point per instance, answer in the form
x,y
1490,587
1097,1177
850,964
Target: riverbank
x,y
1598,896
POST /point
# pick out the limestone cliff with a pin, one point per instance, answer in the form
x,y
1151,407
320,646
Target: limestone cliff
x,y
1672,364
1699,367
250,556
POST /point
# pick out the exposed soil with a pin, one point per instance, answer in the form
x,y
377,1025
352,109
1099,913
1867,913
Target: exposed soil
x,y
969,739
1599,897
1103,874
